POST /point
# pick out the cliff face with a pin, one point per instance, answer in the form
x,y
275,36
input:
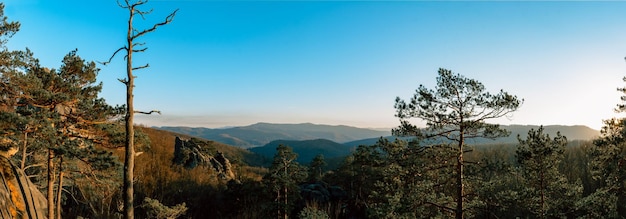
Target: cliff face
x,y
19,197
190,154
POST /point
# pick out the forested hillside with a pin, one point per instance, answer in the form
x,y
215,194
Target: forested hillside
x,y
307,149
366,178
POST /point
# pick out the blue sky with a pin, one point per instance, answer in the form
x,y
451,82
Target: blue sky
x,y
228,63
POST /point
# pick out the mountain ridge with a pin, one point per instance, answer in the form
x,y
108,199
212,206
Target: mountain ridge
x,y
260,134
571,132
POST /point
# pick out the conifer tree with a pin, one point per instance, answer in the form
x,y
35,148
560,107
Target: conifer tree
x,y
12,66
68,111
316,168
547,193
607,166
457,109
283,178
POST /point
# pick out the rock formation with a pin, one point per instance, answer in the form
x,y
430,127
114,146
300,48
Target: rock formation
x,y
19,197
192,153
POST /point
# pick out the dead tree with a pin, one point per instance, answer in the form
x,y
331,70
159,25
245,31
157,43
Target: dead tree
x,y
130,48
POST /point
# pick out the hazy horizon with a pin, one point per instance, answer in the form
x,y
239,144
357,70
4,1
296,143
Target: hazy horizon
x,y
145,121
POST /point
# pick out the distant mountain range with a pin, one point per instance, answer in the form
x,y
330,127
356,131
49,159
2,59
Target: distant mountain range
x,y
577,132
263,133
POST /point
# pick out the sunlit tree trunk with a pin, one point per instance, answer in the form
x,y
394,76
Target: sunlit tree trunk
x,y
50,195
59,188
129,161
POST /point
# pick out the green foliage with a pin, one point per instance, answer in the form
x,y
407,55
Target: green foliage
x,y
600,204
312,213
546,192
156,210
316,168
456,109
398,180
608,160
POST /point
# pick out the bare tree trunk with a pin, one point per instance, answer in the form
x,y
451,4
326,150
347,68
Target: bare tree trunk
x,y
60,187
50,195
129,162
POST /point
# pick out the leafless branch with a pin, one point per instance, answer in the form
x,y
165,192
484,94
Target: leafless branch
x,y
148,113
140,50
142,13
122,6
141,67
167,20
124,81
112,56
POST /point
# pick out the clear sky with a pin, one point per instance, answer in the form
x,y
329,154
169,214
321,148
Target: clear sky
x,y
229,63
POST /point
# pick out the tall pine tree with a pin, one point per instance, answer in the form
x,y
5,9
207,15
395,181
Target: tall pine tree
x,y
283,178
456,110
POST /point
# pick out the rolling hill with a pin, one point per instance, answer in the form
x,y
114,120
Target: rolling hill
x,y
162,142
577,132
263,133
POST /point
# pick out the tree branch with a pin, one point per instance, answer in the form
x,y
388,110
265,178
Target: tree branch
x,y
141,67
112,56
140,50
148,113
167,20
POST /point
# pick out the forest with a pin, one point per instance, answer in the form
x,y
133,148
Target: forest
x,y
64,154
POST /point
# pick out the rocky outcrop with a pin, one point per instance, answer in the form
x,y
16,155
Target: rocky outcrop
x,y
222,165
19,197
192,153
